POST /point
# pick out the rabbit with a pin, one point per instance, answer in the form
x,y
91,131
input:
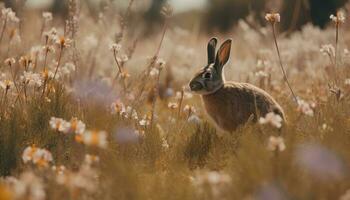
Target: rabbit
x,y
230,104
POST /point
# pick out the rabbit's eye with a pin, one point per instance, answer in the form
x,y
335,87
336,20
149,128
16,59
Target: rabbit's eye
x,y
207,75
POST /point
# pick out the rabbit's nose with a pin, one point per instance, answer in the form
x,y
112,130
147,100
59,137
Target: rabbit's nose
x,y
195,86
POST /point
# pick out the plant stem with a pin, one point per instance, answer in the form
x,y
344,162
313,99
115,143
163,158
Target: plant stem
x,y
336,53
281,64
3,30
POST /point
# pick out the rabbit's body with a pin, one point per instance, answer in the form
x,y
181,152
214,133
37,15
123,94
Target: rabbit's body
x,y
230,104
234,103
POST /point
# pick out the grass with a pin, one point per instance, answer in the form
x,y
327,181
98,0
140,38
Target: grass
x,y
167,153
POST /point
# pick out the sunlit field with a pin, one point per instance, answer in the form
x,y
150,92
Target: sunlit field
x,y
92,106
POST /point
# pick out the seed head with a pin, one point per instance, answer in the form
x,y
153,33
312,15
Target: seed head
x,y
273,17
338,19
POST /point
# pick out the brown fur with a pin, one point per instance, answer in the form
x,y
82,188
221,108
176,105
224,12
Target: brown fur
x,y
233,104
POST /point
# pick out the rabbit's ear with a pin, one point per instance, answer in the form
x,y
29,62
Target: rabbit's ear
x,y
211,50
223,55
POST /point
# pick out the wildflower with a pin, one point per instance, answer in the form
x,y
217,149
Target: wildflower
x,y
338,19
58,169
272,119
94,138
42,157
117,107
37,156
77,126
123,58
144,122
124,74
261,74
84,179
47,16
189,109
63,42
347,81
172,105
10,61
194,119
328,49
167,10
28,186
25,62
217,182
32,79
59,124
273,17
91,159
186,95
115,47
67,69
6,84
165,144
262,63
160,63
306,108
51,35
154,72
48,49
28,152
8,14
276,143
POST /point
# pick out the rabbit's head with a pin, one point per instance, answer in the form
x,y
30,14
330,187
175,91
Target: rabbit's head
x,y
210,78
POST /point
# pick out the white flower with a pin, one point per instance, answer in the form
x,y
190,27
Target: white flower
x,y
189,109
59,124
67,69
47,16
38,156
91,159
165,144
273,17
154,72
160,63
261,74
276,143
339,18
347,81
32,79
144,122
8,14
186,95
42,157
58,169
77,126
10,61
172,105
95,138
272,119
123,58
28,186
194,119
27,154
115,47
306,108
328,49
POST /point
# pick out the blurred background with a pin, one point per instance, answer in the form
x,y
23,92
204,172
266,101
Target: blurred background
x,y
209,15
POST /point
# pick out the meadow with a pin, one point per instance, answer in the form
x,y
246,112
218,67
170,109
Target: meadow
x,y
92,110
